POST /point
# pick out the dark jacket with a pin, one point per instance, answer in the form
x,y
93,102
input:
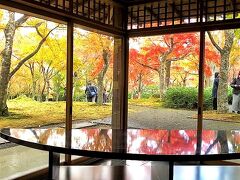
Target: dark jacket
x,y
91,91
236,81
215,87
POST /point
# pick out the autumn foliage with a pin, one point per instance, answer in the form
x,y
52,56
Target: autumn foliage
x,y
170,60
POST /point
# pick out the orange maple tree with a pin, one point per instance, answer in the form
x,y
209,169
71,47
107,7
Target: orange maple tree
x,y
138,74
166,53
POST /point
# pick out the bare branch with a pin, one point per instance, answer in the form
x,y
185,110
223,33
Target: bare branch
x,y
179,58
150,39
15,56
36,26
214,42
30,55
21,20
27,26
144,65
38,32
28,66
171,43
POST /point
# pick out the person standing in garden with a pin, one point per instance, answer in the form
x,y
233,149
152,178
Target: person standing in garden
x,y
215,90
235,84
91,93
104,96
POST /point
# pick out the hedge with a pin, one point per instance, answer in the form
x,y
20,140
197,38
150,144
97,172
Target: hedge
x,y
187,97
181,97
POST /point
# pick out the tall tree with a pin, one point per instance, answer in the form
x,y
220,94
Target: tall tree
x,y
5,75
101,45
224,51
9,32
51,61
85,58
138,74
161,51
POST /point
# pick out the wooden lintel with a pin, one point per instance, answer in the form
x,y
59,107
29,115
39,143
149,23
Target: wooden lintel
x,y
46,12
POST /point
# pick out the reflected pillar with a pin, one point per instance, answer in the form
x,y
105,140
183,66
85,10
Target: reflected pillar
x,y
53,165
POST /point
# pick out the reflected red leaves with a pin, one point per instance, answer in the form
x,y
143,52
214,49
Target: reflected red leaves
x,y
139,141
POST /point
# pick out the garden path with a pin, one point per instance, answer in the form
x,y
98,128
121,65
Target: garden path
x,y
164,118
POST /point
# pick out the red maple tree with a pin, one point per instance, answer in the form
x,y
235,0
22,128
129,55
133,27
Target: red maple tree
x,y
166,53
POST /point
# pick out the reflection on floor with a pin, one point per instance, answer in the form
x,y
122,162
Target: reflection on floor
x,y
117,170
145,170
206,173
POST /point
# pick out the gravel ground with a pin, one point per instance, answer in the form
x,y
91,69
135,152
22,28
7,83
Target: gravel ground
x,y
170,119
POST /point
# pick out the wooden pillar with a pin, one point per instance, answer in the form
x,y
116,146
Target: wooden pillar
x,y
71,6
120,72
201,80
120,83
69,88
200,90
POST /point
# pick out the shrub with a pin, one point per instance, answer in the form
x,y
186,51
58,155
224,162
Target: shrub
x,y
185,97
150,91
80,96
181,97
23,98
207,98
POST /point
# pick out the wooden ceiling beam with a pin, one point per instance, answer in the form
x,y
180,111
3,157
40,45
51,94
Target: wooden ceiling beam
x,y
54,14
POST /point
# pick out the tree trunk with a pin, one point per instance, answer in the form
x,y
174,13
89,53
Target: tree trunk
x,y
223,141
34,80
207,82
42,92
224,69
48,90
168,74
34,87
100,89
162,75
101,75
57,97
140,86
5,65
223,84
222,104
184,82
9,32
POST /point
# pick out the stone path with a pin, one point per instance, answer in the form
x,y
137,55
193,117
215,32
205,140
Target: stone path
x,y
170,119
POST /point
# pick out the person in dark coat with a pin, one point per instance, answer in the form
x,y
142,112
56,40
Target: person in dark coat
x,y
215,90
91,93
235,84
104,96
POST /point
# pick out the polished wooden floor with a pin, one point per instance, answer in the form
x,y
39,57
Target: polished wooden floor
x,y
134,170
112,173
